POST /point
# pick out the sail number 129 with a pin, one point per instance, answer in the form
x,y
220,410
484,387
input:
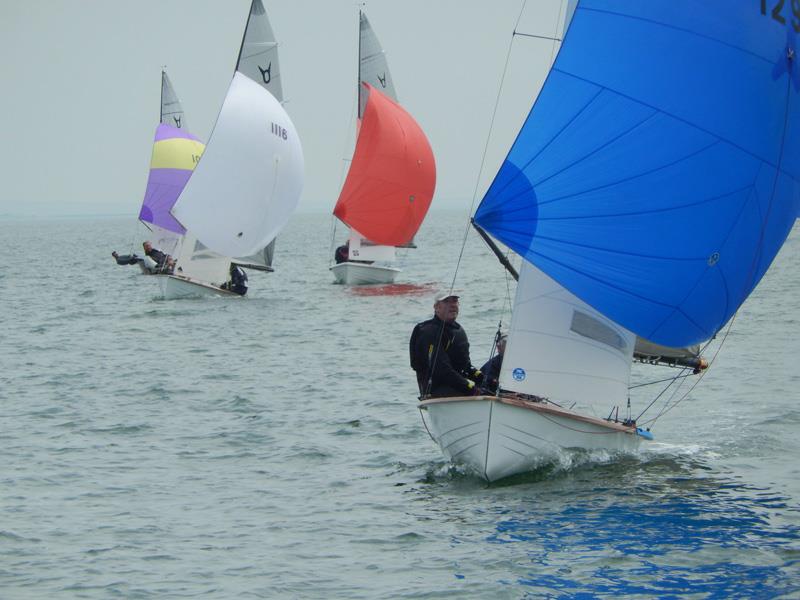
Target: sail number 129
x,y
777,11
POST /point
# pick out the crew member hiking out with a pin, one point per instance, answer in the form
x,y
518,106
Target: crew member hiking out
x,y
439,352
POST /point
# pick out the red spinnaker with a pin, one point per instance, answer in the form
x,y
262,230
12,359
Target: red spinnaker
x,y
392,177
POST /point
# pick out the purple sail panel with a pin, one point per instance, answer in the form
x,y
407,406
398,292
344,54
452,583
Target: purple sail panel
x,y
163,188
167,132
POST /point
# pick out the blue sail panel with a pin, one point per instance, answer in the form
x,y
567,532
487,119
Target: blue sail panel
x,y
658,173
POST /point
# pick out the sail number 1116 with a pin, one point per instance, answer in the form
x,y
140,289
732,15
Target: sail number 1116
x,y
777,11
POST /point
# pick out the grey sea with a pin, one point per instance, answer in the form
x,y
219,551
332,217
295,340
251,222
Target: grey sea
x,y
271,447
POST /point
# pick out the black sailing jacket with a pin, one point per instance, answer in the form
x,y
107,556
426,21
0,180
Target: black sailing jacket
x,y
447,362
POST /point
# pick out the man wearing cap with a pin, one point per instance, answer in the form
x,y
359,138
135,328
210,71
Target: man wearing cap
x,y
163,262
440,353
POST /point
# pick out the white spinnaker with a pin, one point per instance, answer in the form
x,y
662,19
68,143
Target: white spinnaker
x,y
562,349
249,180
373,67
171,109
259,56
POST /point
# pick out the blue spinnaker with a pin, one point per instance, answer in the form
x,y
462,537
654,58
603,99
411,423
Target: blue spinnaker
x,y
658,173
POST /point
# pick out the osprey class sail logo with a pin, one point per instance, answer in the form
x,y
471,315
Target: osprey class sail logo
x,y
518,374
382,80
266,74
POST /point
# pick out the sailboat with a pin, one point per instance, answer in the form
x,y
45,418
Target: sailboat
x,y
648,191
248,183
392,176
174,157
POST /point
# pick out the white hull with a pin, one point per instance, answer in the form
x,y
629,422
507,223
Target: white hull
x,y
500,437
350,273
177,286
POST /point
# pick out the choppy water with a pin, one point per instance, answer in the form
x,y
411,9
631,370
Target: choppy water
x,y
270,447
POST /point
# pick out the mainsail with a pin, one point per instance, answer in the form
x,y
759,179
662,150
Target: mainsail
x,y
658,173
390,183
373,67
562,349
171,109
249,181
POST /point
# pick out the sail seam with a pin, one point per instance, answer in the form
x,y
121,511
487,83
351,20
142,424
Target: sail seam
x,y
681,29
629,214
620,181
601,282
677,118
521,170
720,272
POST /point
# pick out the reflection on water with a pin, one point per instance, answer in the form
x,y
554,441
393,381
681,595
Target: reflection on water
x,y
659,524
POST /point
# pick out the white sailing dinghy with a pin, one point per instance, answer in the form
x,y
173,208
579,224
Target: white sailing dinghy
x,y
646,197
390,183
248,183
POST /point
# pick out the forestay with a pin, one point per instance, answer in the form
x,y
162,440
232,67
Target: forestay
x,y
657,174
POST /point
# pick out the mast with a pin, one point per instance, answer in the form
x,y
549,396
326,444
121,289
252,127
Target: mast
x,y
161,102
358,82
244,34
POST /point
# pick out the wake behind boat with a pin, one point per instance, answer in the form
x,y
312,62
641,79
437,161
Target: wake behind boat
x,y
644,202
390,183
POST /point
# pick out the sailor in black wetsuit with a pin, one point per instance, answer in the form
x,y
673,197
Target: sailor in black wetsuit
x,y
342,253
440,353
491,370
238,282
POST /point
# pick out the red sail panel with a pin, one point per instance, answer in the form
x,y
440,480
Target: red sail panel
x,y
390,183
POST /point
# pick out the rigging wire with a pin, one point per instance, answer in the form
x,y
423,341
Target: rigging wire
x,y
555,39
346,161
433,359
667,406
486,145
507,300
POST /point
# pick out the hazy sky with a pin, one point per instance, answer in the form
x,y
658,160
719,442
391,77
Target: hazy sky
x,y
81,88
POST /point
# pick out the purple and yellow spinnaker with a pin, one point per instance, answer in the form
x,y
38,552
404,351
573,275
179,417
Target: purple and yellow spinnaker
x,y
175,155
